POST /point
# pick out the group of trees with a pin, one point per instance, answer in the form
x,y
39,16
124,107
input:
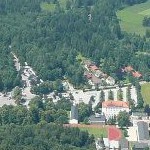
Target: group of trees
x,y
43,137
47,87
146,22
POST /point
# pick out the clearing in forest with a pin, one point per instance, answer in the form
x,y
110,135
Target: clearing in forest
x,y
50,7
131,18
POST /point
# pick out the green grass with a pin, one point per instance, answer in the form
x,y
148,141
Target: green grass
x,y
145,89
131,18
97,132
49,7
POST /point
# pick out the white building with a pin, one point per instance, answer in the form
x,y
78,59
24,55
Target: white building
x,y
74,115
112,108
110,81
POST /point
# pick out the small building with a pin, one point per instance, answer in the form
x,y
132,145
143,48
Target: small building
x,y
74,115
112,108
110,81
142,130
140,146
97,119
136,74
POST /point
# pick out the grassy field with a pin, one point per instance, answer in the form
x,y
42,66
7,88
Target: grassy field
x,y
145,88
51,7
131,18
97,132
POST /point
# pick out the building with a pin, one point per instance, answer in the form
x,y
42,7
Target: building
x,y
140,146
110,81
142,131
74,115
97,119
137,116
112,108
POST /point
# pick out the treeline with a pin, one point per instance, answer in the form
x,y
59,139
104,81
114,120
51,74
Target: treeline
x,y
44,137
132,2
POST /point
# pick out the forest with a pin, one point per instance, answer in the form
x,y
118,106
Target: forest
x,y
51,41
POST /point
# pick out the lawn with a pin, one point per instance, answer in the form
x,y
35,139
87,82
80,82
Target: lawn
x,y
145,88
131,18
97,132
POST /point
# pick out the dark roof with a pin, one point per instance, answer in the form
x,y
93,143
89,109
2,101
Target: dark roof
x,y
143,130
100,118
74,112
140,146
124,143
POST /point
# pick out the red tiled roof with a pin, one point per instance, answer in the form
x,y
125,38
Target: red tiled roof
x,y
136,74
115,104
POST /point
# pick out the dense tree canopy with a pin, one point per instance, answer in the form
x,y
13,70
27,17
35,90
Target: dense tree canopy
x,y
50,40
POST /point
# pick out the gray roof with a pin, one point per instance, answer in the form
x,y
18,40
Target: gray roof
x,y
100,118
140,146
143,130
139,114
74,112
124,143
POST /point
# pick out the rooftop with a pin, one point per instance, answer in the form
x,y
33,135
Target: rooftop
x,y
100,118
115,104
136,74
128,69
143,132
93,67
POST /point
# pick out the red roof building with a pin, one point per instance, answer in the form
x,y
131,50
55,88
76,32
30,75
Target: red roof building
x,y
136,74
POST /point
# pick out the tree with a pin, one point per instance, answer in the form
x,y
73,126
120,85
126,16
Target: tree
x,y
120,94
110,95
112,121
147,109
17,95
123,119
102,96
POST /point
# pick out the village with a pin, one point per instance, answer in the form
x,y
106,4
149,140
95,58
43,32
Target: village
x,y
138,132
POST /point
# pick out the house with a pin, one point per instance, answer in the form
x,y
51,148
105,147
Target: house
x,y
74,115
140,146
110,81
112,108
97,119
128,69
93,68
99,74
142,131
136,74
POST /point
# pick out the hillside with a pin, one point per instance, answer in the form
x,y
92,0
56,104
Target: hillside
x,y
131,18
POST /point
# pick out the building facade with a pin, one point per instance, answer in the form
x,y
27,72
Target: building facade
x,y
112,108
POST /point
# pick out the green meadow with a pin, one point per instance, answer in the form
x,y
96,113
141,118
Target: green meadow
x,y
97,132
145,89
131,18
